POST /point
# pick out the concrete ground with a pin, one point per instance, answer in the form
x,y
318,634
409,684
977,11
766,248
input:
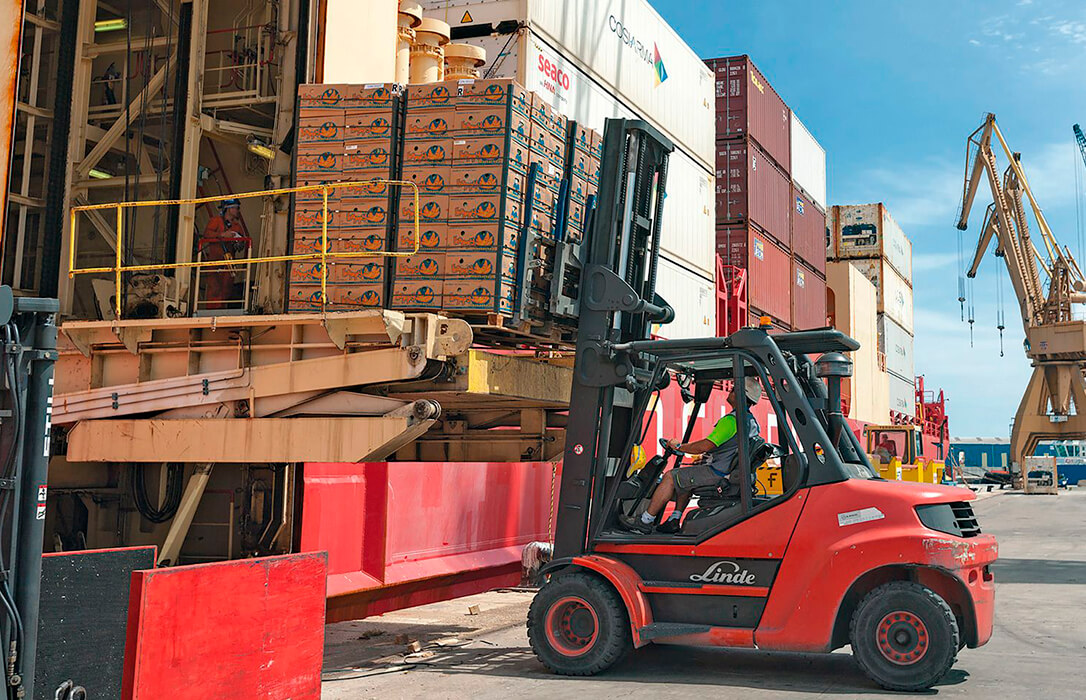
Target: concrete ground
x,y
1036,650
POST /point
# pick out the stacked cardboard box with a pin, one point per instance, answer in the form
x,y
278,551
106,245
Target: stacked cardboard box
x,y
469,146
488,159
345,133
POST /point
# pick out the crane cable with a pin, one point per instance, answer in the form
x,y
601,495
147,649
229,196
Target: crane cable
x,y
999,309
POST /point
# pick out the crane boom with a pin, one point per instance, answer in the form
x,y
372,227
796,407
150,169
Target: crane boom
x,y
1055,341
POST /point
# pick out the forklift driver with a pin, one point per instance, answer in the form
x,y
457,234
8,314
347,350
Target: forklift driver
x,y
716,463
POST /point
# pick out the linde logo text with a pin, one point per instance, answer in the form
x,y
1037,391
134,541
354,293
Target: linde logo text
x,y
725,572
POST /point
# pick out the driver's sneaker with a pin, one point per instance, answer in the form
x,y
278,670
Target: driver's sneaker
x,y
634,524
669,526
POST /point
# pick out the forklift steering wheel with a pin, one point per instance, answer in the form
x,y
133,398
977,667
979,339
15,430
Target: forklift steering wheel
x,y
668,449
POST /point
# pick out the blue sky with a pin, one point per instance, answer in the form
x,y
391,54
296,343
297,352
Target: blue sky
x,y
892,90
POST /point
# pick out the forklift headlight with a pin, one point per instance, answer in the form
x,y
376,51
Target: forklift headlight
x,y
939,517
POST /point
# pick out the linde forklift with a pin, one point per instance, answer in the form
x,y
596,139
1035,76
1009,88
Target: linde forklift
x,y
899,571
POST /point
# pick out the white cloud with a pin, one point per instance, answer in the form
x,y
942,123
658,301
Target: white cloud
x,y
927,262
1070,29
974,42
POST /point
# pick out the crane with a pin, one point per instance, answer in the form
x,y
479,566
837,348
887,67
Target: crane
x,y
1055,342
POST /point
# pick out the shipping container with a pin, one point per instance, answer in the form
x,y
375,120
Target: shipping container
x,y
868,231
902,394
692,296
896,346
687,223
831,226
808,297
808,231
895,296
851,303
768,266
808,164
751,188
623,46
747,105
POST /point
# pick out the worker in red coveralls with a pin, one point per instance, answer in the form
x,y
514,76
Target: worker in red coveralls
x,y
224,238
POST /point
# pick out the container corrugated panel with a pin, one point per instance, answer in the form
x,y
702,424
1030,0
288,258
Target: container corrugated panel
x,y
693,298
895,296
896,345
687,225
902,394
808,164
868,231
808,297
751,188
808,231
747,105
852,301
768,266
622,45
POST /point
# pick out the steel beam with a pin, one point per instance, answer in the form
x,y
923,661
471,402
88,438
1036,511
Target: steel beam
x,y
242,440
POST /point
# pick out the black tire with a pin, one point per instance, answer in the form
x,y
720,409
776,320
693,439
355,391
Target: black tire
x,y
577,625
904,636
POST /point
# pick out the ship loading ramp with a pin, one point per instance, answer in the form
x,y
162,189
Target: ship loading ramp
x,y
359,433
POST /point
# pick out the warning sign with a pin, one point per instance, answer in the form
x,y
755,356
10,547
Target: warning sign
x,y
466,18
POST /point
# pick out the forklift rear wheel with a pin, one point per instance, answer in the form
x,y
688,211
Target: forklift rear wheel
x,y
577,625
904,636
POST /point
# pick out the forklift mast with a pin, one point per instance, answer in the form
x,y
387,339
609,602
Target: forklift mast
x,y
617,303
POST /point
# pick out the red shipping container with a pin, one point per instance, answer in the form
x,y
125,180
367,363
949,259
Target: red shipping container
x,y
808,297
750,188
768,267
746,105
808,232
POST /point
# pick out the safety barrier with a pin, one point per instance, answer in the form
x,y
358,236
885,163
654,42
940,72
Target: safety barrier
x,y
324,255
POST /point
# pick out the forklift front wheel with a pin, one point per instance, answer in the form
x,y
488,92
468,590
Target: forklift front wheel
x,y
577,625
904,636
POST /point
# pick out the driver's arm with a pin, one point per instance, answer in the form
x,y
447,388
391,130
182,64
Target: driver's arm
x,y
722,432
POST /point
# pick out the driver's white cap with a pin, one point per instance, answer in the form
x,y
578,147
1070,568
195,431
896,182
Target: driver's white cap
x,y
753,389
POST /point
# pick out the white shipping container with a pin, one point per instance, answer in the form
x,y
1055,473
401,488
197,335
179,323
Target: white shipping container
x,y
622,45
895,295
902,394
808,163
688,233
692,296
868,231
896,345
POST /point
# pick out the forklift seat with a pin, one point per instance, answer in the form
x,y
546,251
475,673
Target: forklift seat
x,y
716,500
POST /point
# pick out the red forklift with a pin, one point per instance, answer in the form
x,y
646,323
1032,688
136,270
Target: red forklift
x,y
899,571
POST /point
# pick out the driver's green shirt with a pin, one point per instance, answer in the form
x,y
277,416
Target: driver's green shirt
x,y
723,431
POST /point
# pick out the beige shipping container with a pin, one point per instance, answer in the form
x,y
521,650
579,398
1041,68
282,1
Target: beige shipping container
x,y
894,294
851,303
869,231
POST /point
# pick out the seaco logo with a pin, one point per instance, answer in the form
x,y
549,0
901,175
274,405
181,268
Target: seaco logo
x,y
725,572
651,57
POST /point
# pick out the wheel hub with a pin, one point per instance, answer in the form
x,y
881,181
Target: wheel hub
x,y
572,626
902,638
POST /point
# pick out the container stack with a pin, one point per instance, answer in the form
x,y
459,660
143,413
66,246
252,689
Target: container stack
x,y
770,198
345,132
867,237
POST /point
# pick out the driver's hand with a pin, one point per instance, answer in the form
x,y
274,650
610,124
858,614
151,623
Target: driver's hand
x,y
674,444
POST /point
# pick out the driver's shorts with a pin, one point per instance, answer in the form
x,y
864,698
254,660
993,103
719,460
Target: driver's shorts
x,y
695,476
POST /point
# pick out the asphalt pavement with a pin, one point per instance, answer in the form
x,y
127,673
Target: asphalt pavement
x,y
1036,650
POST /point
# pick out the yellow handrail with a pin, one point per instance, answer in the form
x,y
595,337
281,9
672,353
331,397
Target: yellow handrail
x,y
324,255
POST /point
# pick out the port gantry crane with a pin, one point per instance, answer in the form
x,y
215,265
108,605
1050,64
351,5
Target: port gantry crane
x,y
1081,139
1055,342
